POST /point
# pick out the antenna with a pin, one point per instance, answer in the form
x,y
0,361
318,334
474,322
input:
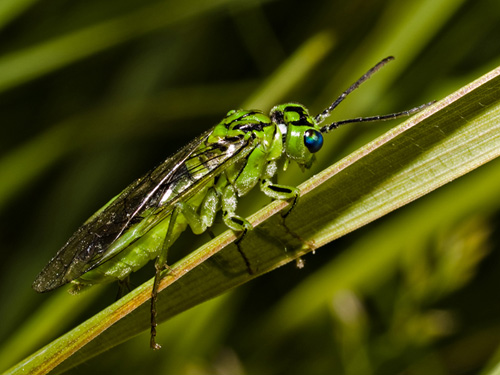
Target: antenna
x,y
321,117
390,116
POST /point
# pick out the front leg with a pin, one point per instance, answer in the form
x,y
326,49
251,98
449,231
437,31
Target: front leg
x,y
281,192
284,192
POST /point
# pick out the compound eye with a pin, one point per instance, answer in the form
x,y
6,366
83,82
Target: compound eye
x,y
313,140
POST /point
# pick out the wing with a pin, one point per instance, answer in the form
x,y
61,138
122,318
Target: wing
x,y
149,199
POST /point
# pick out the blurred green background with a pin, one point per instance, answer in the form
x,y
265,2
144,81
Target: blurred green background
x,y
93,94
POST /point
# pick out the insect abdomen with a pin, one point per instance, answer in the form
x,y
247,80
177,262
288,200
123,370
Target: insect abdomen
x,y
132,258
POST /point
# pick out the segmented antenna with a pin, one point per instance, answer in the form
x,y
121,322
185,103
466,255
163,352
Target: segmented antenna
x,y
321,117
390,116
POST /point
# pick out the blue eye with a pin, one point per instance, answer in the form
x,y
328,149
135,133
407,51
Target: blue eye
x,y
313,140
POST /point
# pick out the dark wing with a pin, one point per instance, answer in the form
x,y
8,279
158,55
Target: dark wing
x,y
144,198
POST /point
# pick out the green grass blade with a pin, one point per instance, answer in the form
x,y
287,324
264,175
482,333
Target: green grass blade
x,y
402,31
18,67
453,137
494,371
10,9
294,71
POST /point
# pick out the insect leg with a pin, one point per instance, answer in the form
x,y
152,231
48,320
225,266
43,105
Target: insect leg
x,y
235,222
123,287
208,209
198,223
284,192
160,264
